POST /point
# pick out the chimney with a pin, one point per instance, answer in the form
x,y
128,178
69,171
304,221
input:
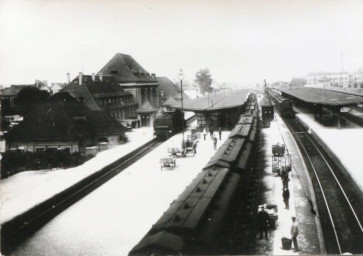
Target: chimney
x,y
68,78
93,77
80,78
100,74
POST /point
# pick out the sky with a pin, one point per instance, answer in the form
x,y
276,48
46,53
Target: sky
x,y
239,41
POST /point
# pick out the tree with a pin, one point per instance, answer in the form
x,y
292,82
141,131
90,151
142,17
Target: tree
x,y
204,79
28,97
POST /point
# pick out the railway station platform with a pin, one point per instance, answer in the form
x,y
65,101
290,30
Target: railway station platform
x,y
310,239
113,218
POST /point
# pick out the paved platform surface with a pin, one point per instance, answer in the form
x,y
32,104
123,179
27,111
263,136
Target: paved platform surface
x,y
310,239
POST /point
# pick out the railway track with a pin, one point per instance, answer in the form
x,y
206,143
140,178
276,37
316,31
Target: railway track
x,y
17,230
338,201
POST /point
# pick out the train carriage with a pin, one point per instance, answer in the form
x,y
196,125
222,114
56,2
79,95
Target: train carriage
x,y
267,111
283,104
196,221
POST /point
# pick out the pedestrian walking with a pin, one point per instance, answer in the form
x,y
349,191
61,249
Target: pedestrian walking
x,y
220,133
286,196
211,132
294,233
215,142
204,133
263,218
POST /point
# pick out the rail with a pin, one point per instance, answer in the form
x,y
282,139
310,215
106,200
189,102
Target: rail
x,y
343,217
17,230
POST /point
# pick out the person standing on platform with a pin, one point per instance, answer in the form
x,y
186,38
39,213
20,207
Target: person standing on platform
x,y
204,133
195,146
215,142
286,196
284,178
263,218
220,133
294,233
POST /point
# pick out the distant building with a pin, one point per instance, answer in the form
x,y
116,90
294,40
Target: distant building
x,y
339,79
62,122
191,91
280,84
8,94
103,93
132,77
43,85
356,79
56,87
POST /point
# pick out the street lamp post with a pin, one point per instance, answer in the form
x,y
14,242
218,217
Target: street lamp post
x,y
181,77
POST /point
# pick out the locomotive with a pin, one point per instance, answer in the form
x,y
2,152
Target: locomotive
x,y
283,104
169,123
196,221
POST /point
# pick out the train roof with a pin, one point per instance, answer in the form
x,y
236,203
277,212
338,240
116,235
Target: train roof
x,y
323,97
215,101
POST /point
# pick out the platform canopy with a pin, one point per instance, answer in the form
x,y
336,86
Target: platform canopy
x,y
214,101
323,97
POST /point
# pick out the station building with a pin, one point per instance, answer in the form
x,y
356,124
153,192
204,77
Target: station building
x,y
103,93
133,78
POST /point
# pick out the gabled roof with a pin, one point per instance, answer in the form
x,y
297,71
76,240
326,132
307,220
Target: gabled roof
x,y
63,117
125,69
323,97
214,101
146,107
91,89
169,101
168,87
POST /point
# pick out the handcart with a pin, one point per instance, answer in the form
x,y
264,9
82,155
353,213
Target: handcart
x,y
167,162
175,152
280,161
188,147
189,151
278,150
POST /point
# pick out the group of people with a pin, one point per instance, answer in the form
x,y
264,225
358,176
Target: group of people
x,y
212,135
264,223
264,218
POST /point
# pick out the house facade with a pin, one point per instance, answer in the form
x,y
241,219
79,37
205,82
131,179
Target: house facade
x,y
103,93
62,122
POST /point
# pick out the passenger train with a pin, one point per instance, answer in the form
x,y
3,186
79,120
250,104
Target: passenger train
x,y
196,221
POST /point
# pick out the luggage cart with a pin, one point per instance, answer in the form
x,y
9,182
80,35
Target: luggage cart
x,y
167,162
